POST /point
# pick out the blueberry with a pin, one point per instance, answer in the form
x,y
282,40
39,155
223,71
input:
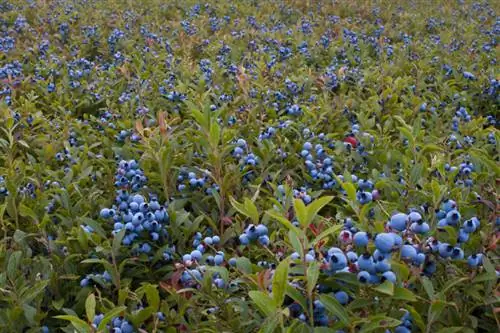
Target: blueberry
x,y
382,266
264,240
218,259
342,297
232,262
338,261
384,242
408,252
415,217
453,217
244,239
363,277
365,262
361,239
196,255
389,276
445,250
261,230
105,213
84,282
398,221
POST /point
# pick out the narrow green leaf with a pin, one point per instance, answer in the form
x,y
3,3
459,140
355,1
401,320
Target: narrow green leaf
x,y
265,303
350,190
280,281
244,265
417,318
34,291
80,325
376,323
312,276
404,294
386,287
454,329
110,315
428,287
248,209
300,212
331,230
252,210
90,307
152,296
335,308
117,241
296,296
314,207
285,222
12,264
296,243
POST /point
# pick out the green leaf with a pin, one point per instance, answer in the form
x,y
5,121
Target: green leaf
x,y
401,270
331,230
12,264
406,132
90,307
449,285
244,265
296,243
485,276
314,207
454,329
34,291
80,325
153,296
300,212
252,210
386,287
265,303
335,308
117,241
285,222
142,315
214,133
248,209
110,315
280,281
417,318
25,211
350,190
428,287
296,296
404,295
312,276
436,309
322,330
376,323
270,324
94,225
29,313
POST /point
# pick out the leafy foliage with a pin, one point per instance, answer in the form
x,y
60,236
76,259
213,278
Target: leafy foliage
x,y
274,166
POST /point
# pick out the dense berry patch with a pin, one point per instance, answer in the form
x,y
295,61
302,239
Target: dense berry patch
x,y
236,166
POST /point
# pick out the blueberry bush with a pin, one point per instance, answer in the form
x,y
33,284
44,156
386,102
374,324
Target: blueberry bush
x,y
249,166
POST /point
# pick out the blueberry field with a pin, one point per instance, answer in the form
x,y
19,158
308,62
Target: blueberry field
x,y
249,166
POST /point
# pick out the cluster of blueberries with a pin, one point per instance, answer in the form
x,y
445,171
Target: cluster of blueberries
x,y
254,233
193,181
132,212
319,164
195,262
406,238
89,279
